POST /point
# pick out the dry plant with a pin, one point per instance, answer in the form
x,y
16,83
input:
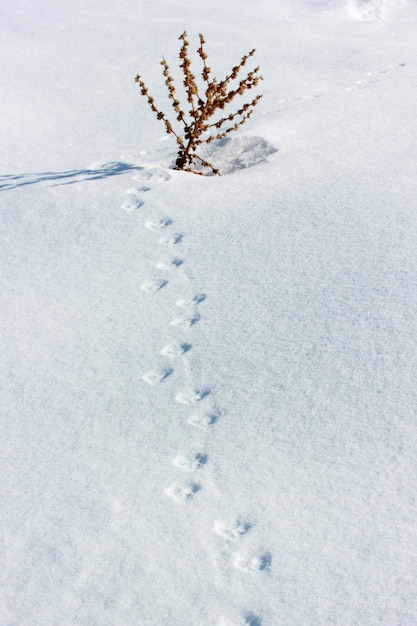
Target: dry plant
x,y
201,125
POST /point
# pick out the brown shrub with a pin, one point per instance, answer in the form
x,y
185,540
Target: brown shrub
x,y
203,124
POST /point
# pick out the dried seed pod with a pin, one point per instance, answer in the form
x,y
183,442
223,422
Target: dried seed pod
x,y
203,105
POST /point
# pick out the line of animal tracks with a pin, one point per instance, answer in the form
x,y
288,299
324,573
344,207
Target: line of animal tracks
x,y
196,400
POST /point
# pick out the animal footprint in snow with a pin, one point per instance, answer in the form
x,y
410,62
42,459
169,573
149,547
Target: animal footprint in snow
x,y
190,464
135,190
181,492
186,302
152,285
186,321
203,420
171,240
132,205
157,376
158,224
232,531
175,349
249,619
253,563
155,174
191,397
166,264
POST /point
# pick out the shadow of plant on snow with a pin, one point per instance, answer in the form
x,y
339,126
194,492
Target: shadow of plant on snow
x,y
229,154
104,170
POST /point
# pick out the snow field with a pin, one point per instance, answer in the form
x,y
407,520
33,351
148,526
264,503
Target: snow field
x,y
208,410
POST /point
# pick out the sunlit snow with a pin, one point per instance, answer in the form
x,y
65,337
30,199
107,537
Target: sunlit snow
x,y
208,399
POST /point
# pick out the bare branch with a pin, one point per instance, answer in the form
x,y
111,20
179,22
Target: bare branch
x,y
203,106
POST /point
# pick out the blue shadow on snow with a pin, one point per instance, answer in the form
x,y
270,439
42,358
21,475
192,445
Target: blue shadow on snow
x,y
113,168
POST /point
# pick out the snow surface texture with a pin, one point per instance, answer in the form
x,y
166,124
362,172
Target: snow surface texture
x,y
372,9
208,404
